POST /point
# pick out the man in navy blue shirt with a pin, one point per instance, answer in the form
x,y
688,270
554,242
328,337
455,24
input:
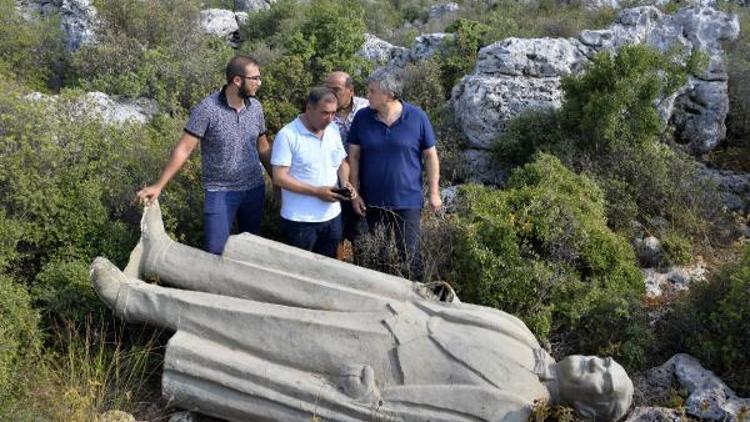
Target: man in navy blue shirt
x,y
390,144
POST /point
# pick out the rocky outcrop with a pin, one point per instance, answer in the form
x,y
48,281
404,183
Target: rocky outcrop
x,y
78,18
252,5
439,11
655,414
672,279
111,110
708,398
379,51
223,23
516,75
424,47
734,188
218,22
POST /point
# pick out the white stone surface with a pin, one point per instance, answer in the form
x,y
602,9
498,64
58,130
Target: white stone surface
x,y
271,332
111,110
378,50
708,397
515,75
218,22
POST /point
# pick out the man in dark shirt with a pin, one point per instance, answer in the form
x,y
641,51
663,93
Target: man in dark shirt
x,y
391,143
230,126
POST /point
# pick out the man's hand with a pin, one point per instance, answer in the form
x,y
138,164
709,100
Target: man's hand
x,y
327,194
435,202
358,204
148,195
354,194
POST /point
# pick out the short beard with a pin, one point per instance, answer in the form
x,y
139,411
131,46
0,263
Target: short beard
x,y
244,93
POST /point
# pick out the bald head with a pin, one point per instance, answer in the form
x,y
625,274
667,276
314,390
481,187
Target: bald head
x,y
343,86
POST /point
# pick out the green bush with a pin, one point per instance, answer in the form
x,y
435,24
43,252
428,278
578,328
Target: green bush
x,y
154,50
19,336
711,324
611,103
423,86
541,250
677,249
33,50
460,54
68,187
609,128
309,41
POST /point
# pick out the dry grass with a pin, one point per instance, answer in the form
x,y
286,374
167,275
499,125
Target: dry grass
x,y
87,371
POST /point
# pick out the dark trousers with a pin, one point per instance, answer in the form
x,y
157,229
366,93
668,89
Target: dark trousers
x,y
354,224
321,238
406,227
220,209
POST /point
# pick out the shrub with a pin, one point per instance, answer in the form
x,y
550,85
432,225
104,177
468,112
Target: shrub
x,y
460,53
711,324
541,250
310,41
19,336
31,50
677,249
155,50
423,86
68,187
609,128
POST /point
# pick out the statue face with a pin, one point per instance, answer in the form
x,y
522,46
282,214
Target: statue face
x,y
586,374
593,385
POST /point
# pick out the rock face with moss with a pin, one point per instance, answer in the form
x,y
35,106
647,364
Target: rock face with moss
x,y
516,75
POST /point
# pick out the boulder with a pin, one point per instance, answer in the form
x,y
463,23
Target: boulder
x,y
672,279
438,11
379,51
252,5
218,22
515,75
424,47
708,398
655,414
112,110
734,188
650,252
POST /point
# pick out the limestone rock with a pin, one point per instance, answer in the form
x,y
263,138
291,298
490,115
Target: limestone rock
x,y
448,195
184,416
673,278
438,11
379,51
424,47
515,75
115,416
78,19
218,22
252,5
483,167
708,397
734,188
650,252
111,110
654,414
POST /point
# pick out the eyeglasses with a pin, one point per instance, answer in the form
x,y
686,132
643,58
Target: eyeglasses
x,y
255,78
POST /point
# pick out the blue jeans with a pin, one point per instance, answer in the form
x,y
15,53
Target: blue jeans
x,y
321,238
220,209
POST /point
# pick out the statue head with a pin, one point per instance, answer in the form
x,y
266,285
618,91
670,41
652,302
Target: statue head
x,y
597,388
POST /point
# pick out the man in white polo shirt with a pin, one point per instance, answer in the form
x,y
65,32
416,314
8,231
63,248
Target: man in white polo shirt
x,y
308,161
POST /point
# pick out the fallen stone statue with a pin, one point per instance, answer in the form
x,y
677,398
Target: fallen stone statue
x,y
270,332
